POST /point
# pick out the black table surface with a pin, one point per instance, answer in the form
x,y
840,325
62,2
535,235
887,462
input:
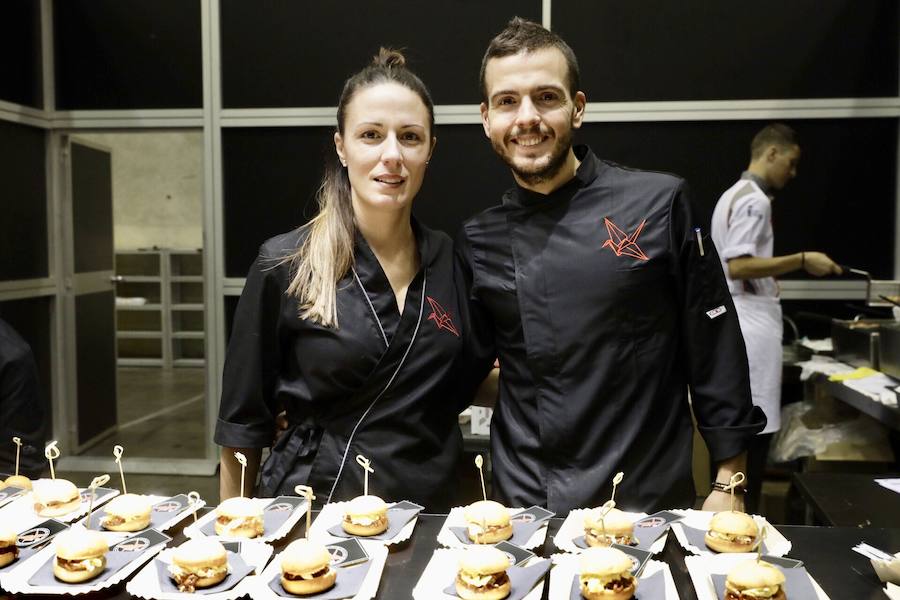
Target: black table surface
x,y
842,573
850,499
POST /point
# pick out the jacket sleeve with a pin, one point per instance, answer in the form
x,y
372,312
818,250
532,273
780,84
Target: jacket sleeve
x,y
479,353
252,362
746,227
712,342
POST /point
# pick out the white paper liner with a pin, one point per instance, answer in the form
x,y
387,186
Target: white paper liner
x,y
333,513
887,571
573,527
456,518
16,581
701,567
146,583
194,530
775,543
567,566
441,570
21,511
376,550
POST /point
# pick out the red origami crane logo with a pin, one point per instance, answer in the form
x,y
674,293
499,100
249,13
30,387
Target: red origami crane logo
x,y
620,243
441,317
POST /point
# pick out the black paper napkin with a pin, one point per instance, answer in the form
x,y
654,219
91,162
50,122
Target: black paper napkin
x,y
348,583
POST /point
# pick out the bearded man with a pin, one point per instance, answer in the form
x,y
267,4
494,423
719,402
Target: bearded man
x,y
602,303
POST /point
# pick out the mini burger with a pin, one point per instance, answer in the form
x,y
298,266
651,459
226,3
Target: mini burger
x,y
487,522
365,515
19,481
482,574
80,555
306,568
732,531
8,550
605,574
55,497
128,512
239,517
198,563
754,580
615,528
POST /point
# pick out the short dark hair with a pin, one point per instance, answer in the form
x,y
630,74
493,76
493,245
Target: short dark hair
x,y
777,134
522,35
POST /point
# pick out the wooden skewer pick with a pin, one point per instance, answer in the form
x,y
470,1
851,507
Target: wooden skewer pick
x,y
479,462
736,479
306,492
366,464
117,452
616,481
51,452
95,483
604,510
243,462
18,442
194,501
759,548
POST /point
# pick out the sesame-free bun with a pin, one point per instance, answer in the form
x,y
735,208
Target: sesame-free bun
x,y
7,540
76,545
365,515
19,481
132,509
202,554
482,561
606,564
246,510
732,524
55,497
303,558
493,516
753,574
615,523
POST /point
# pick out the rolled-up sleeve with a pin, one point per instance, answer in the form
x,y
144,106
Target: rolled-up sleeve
x,y
746,226
252,362
717,359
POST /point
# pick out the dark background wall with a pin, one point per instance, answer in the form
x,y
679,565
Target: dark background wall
x,y
20,47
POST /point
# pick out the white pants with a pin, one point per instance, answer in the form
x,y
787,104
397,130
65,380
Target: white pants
x,y
761,325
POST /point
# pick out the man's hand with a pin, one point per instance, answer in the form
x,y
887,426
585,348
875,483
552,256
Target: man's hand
x,y
718,501
819,264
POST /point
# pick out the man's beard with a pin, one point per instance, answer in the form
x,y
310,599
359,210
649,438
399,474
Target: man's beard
x,y
539,174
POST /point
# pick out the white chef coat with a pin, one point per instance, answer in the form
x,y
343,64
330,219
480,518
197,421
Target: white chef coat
x,y
742,226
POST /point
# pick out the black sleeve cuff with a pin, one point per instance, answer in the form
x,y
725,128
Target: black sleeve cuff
x,y
241,435
726,442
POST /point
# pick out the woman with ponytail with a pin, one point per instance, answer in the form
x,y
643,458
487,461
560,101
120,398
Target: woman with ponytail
x,y
348,324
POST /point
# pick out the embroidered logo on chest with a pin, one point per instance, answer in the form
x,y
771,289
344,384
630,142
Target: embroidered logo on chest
x,y
622,243
441,317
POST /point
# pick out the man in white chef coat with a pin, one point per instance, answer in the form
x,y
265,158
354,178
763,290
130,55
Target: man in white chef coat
x,y
742,233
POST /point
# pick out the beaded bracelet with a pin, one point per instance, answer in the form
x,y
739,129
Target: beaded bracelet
x,y
718,486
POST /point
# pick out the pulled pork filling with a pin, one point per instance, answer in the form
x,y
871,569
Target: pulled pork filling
x,y
624,540
731,537
306,576
8,549
616,583
365,520
86,564
187,580
481,582
475,529
760,593
253,522
39,506
113,520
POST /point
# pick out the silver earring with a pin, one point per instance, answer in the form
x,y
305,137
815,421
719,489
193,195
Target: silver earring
x,y
344,163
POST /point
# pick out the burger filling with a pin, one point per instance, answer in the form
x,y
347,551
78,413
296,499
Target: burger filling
x,y
365,520
476,530
760,593
86,564
254,523
9,549
39,506
594,584
187,579
113,521
477,582
307,576
607,538
732,537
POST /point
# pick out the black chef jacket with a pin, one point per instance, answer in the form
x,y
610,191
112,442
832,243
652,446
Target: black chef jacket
x,y
602,311
21,409
379,385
